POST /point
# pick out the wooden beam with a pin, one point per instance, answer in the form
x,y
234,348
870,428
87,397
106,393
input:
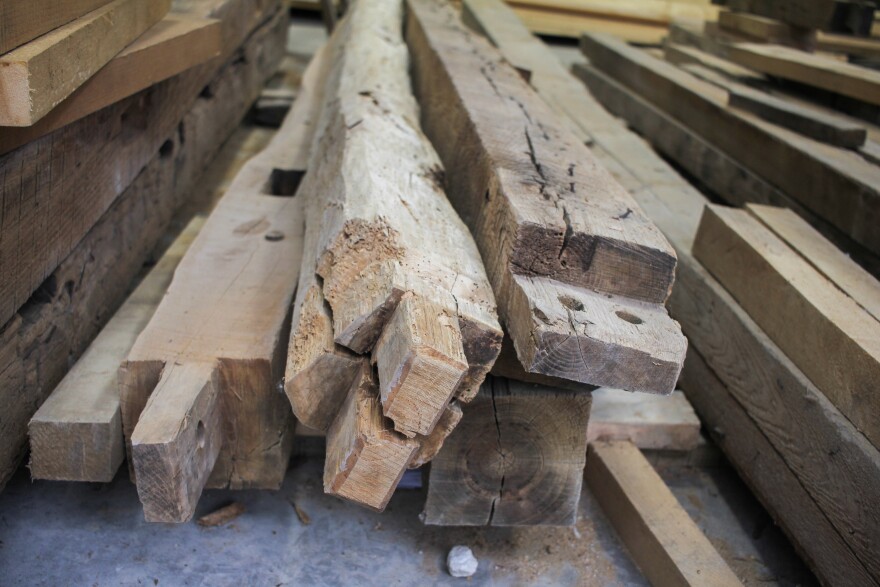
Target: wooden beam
x,y
37,76
802,168
227,307
366,458
76,435
766,29
81,293
662,539
25,21
661,12
553,271
814,14
827,335
175,44
516,459
766,472
818,71
829,260
649,422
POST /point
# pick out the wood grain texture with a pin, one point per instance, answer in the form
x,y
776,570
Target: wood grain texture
x,y
37,76
649,422
76,435
829,260
804,169
665,543
173,45
516,459
21,22
854,81
365,456
825,333
568,230
79,296
52,191
767,474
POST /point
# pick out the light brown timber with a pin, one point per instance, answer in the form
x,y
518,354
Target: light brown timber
x,y
21,22
649,422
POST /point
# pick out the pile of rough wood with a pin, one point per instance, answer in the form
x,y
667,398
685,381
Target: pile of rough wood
x,y
782,323
420,212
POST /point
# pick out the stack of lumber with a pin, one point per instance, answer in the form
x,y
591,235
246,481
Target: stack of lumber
x,y
86,203
639,21
336,264
813,467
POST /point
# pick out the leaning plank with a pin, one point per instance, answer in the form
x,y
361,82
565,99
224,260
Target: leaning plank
x,y
579,273
41,182
649,422
768,475
366,458
804,169
828,335
175,44
661,537
800,422
389,234
37,76
829,74
76,435
516,459
79,296
223,323
25,21
829,260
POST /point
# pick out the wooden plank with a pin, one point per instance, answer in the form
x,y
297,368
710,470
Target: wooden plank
x,y
423,313
649,422
814,14
52,192
830,337
828,74
656,11
662,539
810,122
79,296
682,54
173,45
76,435
849,44
21,22
572,26
225,316
800,422
37,76
768,475
552,271
366,458
830,261
516,459
802,168
766,29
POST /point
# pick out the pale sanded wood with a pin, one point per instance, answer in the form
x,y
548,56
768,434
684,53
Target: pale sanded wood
x,y
648,421
768,475
805,169
828,335
228,307
387,229
819,71
37,76
420,361
173,45
829,260
76,435
21,22
656,11
595,237
660,536
515,459
366,458
94,279
800,423
177,440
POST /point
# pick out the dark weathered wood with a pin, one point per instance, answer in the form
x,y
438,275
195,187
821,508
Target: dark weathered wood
x,y
516,459
811,14
661,537
804,169
76,299
768,475
577,264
